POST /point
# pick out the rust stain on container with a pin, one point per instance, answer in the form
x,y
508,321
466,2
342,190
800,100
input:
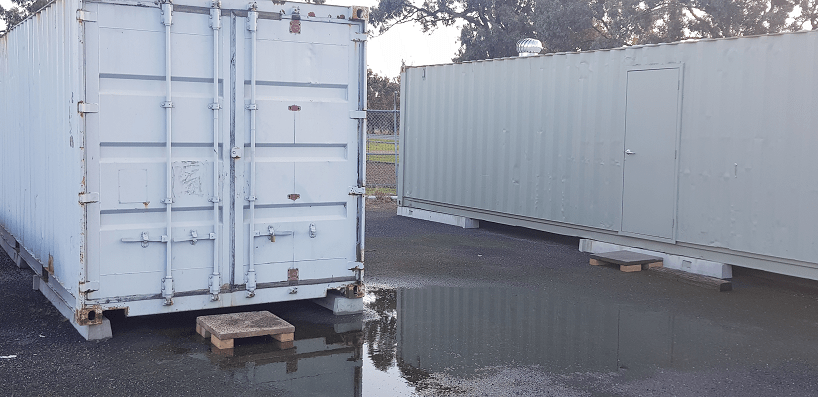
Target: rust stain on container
x,y
295,26
50,267
89,315
292,276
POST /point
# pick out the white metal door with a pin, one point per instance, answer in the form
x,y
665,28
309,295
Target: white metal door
x,y
651,130
154,152
297,150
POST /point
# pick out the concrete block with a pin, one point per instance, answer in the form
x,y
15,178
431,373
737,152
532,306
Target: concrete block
x,y
341,305
448,219
683,263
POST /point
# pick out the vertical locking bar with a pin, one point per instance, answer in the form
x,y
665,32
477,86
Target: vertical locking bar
x,y
167,282
361,52
215,278
252,26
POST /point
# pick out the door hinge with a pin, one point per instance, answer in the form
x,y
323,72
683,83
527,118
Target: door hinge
x,y
357,190
86,16
91,197
357,114
359,37
84,107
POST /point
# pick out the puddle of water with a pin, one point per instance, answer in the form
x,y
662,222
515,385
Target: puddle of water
x,y
459,340
475,340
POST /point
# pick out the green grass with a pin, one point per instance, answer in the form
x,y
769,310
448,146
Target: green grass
x,y
377,145
384,148
380,191
381,158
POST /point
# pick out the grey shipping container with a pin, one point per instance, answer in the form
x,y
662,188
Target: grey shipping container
x,y
163,157
703,149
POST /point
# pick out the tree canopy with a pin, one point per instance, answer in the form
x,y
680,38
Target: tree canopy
x,y
380,90
492,27
19,11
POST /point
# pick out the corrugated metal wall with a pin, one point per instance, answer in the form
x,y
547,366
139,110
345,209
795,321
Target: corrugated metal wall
x,y
41,138
513,135
542,139
118,199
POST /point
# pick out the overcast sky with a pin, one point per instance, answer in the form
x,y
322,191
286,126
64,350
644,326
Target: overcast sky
x,y
404,42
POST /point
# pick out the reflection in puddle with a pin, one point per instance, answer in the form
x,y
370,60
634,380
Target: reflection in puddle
x,y
453,340
458,330
325,360
466,341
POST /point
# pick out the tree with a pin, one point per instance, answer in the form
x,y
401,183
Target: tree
x,y
381,90
492,27
808,15
504,23
19,11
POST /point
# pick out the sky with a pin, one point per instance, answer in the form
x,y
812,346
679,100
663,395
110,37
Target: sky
x,y
406,42
401,43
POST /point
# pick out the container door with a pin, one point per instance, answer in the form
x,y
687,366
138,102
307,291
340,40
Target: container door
x,y
300,152
159,205
651,131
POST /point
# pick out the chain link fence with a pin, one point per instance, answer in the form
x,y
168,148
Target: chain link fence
x,y
382,151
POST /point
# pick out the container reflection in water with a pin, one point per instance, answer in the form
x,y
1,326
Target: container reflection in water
x,y
460,332
327,362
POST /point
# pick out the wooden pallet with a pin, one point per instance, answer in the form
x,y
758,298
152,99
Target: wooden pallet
x,y
627,261
223,329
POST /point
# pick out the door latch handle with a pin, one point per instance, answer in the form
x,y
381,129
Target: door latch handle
x,y
629,152
272,233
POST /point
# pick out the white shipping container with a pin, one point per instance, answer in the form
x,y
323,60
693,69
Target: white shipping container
x,y
703,149
163,157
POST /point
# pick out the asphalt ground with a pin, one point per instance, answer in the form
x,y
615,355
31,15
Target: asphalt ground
x,y
492,311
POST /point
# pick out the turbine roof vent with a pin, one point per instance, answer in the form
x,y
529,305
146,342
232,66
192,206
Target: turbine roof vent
x,y
529,47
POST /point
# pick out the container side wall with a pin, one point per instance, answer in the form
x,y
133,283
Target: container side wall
x,y
41,140
517,135
747,180
542,139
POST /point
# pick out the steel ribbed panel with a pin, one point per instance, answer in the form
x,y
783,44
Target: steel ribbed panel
x,y
134,168
41,138
539,141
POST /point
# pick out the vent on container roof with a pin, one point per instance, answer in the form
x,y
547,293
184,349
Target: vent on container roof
x,y
529,47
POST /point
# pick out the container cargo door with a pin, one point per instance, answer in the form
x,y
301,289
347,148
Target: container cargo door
x,y
159,177
651,136
299,140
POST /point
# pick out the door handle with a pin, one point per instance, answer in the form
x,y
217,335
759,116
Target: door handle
x,y
629,152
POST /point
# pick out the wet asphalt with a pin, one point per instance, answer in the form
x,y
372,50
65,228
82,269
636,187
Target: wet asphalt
x,y
495,311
